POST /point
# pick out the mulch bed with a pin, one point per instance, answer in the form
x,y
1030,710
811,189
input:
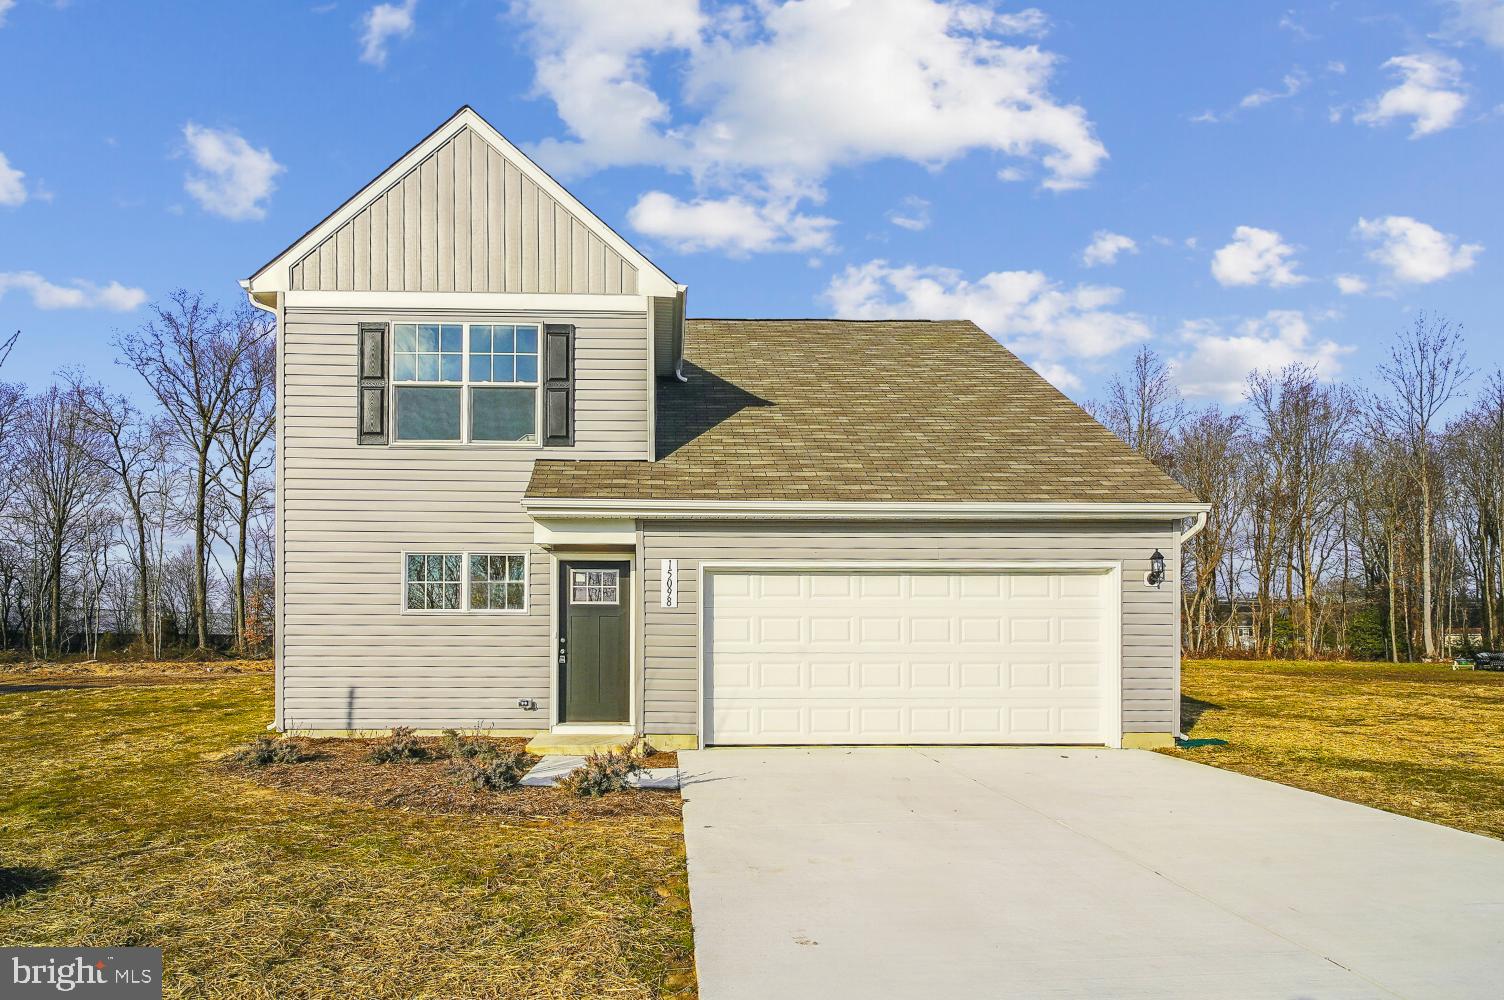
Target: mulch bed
x,y
342,769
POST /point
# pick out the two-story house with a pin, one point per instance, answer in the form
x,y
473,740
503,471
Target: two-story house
x,y
517,489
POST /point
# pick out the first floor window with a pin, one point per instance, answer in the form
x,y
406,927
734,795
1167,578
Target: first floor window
x,y
498,583
433,581
460,581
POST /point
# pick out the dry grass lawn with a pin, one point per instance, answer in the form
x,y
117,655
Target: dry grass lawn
x,y
1421,740
118,826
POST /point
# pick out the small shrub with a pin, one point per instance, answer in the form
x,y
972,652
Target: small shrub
x,y
604,773
401,746
268,750
476,748
498,772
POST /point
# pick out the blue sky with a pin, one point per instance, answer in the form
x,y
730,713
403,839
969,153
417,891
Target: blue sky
x,y
1260,183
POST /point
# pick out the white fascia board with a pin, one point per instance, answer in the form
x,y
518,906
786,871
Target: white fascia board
x,y
801,509
273,277
577,531
535,302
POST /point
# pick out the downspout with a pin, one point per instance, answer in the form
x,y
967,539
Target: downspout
x,y
276,311
1195,529
681,309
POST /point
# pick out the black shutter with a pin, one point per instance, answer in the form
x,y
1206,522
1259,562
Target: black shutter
x,y
558,385
371,389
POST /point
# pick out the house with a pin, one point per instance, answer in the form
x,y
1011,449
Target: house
x,y
518,489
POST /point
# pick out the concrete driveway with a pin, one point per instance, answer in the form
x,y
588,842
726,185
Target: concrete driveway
x,y
971,872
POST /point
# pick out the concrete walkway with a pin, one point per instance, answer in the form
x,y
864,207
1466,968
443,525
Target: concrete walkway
x,y
999,873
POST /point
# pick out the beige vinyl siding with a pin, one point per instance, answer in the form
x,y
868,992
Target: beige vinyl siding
x,y
351,658
671,635
464,219
665,353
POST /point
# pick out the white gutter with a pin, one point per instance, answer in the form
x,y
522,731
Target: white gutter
x,y
1195,529
790,509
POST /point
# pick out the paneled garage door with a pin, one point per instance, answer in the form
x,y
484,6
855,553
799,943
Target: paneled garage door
x,y
910,657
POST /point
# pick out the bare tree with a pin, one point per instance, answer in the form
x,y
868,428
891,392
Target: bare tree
x,y
132,449
190,356
1145,408
245,457
1210,453
1426,370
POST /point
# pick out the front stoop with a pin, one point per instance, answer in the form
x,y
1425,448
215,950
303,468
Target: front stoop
x,y
575,744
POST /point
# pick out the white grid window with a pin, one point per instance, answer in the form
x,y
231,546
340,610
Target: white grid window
x,y
433,581
463,383
594,586
461,582
498,583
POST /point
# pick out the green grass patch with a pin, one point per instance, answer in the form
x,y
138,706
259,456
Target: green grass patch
x,y
1418,739
119,827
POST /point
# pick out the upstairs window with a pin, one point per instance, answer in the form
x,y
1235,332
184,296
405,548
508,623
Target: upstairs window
x,y
462,383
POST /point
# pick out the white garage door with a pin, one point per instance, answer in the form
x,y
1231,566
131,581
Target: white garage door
x,y
910,657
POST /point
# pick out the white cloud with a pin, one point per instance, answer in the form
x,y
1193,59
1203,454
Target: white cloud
x,y
1255,257
732,224
1414,252
1105,247
380,25
1293,83
1046,323
1480,19
1216,362
234,178
913,214
12,188
1351,284
78,294
1428,92
5,6
781,94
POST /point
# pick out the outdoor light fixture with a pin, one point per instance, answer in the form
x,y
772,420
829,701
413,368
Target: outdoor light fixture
x,y
1156,569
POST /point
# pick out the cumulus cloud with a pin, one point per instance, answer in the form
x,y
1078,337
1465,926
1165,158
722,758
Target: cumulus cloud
x,y
913,214
1293,83
233,178
5,6
1429,92
12,186
1480,19
1255,257
1105,247
1413,252
77,294
1047,323
1215,361
732,224
380,25
1351,284
781,94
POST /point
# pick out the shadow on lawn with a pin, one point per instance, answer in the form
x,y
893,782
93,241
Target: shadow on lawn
x,y
16,882
1192,709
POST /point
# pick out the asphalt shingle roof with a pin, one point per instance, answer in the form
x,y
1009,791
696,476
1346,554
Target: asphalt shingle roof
x,y
836,410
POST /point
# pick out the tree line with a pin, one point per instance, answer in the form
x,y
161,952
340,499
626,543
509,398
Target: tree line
x,y
1356,521
146,526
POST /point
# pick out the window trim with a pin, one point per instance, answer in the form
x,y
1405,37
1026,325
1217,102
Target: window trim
x,y
464,386
464,609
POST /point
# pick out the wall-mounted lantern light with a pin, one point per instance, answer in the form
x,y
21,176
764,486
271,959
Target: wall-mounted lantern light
x,y
1156,569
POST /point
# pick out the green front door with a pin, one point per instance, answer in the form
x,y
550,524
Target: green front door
x,y
595,633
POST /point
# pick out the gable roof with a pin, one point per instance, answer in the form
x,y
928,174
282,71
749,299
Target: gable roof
x,y
842,411
463,210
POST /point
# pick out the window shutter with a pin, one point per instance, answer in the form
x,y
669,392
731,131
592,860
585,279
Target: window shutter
x,y
558,385
371,390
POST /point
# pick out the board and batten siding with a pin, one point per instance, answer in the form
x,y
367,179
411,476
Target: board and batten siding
x,y
671,635
350,658
464,219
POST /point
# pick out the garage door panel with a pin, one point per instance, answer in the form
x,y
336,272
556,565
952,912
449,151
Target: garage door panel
x,y
908,657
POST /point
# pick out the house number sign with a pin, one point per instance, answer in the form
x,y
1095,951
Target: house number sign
x,y
670,584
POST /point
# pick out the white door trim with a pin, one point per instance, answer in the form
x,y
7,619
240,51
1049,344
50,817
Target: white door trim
x,y
1113,570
